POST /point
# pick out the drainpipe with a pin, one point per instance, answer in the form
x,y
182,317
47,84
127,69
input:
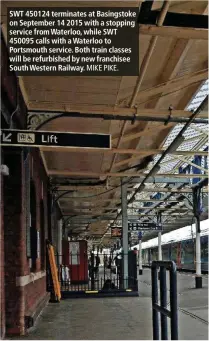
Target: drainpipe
x,y
140,257
125,232
159,246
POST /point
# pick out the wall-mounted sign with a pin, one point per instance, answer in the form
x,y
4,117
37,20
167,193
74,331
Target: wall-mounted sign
x,y
27,138
144,226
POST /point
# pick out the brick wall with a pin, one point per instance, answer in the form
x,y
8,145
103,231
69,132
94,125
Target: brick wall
x,y
19,299
34,293
2,292
39,177
22,299
11,212
13,240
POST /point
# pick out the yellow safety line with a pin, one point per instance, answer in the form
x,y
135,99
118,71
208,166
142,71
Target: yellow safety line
x,y
128,290
91,292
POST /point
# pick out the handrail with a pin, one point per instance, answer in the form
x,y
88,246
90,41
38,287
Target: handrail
x,y
162,308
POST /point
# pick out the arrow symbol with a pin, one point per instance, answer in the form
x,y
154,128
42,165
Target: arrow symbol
x,y
7,138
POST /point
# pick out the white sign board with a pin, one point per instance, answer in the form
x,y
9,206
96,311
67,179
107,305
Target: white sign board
x,y
74,250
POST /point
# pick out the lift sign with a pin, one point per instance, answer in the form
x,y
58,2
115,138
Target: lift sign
x,y
27,138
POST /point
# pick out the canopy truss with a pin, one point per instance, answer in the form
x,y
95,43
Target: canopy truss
x,y
142,114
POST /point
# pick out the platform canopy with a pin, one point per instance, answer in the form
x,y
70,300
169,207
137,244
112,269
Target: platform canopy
x,y
142,114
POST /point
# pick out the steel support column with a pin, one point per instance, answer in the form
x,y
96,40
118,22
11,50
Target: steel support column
x,y
196,208
140,258
125,232
159,246
59,241
159,221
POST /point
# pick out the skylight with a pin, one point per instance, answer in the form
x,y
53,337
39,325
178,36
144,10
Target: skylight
x,y
199,97
195,135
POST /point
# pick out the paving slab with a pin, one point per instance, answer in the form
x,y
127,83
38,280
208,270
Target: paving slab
x,y
95,319
191,328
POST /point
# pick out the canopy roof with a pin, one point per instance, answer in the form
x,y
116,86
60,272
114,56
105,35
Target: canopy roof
x,y
86,183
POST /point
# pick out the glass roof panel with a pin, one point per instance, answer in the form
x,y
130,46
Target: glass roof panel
x,y
199,96
195,139
194,135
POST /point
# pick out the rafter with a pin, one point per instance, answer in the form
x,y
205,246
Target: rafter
x,y
181,47
177,32
123,151
120,174
173,85
127,161
142,72
146,131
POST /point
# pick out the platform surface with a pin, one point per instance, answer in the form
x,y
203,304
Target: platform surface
x,y
128,318
192,303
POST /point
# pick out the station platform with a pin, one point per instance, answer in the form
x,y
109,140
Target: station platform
x,y
123,318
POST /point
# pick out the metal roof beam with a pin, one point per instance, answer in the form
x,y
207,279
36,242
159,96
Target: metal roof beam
x,y
156,179
150,208
134,181
118,113
129,207
164,190
148,190
121,174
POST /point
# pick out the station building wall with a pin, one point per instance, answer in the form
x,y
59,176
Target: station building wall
x,y
25,219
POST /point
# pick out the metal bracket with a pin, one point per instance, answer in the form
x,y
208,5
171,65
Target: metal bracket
x,y
133,119
169,116
34,120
